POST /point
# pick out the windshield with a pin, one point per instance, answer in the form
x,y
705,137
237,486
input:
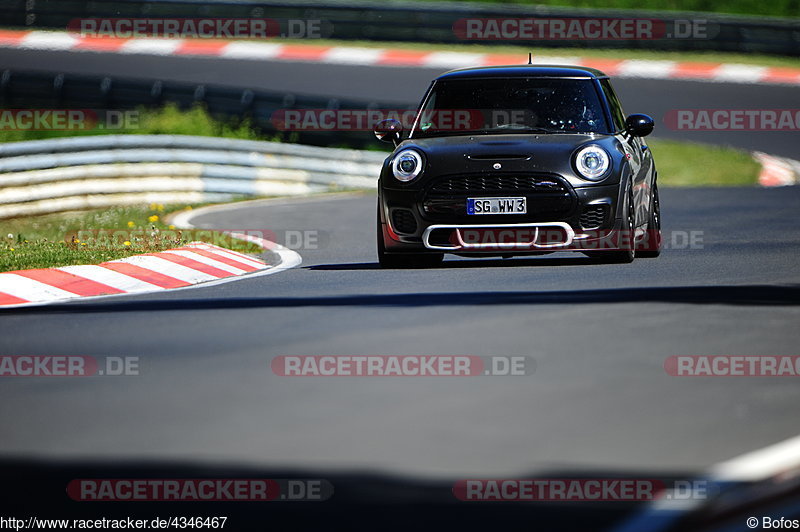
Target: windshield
x,y
501,106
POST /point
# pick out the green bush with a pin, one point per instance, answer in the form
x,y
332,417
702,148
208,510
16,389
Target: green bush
x,y
775,8
167,120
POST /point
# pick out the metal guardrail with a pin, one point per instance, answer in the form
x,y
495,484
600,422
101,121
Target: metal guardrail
x,y
44,176
414,21
29,90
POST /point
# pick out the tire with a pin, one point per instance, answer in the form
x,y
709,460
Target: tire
x,y
651,248
405,260
623,256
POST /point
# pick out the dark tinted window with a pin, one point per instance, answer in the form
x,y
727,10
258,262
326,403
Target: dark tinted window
x,y
515,105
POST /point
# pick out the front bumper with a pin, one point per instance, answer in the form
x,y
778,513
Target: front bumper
x,y
540,230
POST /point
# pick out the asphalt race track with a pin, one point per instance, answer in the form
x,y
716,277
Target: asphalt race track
x,y
206,401
599,334
405,86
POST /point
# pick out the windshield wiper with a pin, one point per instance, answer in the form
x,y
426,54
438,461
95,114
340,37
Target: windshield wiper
x,y
506,128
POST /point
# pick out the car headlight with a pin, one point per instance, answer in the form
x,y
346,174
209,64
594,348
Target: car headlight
x,y
407,165
592,162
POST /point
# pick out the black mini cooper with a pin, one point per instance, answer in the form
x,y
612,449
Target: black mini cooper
x,y
518,160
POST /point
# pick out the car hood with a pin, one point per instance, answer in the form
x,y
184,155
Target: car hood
x,y
515,152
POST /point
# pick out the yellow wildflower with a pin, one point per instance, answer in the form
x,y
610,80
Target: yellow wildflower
x,y
127,243
153,218
131,224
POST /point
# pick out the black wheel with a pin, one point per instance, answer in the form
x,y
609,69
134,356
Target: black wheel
x,y
406,260
651,246
627,232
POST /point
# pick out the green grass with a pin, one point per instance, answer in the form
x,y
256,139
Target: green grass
x,y
167,120
96,236
775,8
687,164
601,53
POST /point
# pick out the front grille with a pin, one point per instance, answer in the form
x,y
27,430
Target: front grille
x,y
549,196
593,216
403,221
480,183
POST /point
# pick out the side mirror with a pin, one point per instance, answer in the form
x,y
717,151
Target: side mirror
x,y
388,130
639,125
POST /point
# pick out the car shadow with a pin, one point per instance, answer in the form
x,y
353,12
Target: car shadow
x,y
469,263
742,295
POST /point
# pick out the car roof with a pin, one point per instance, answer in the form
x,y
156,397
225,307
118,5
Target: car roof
x,y
513,71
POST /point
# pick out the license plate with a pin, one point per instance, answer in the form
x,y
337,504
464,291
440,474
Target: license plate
x,y
496,206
